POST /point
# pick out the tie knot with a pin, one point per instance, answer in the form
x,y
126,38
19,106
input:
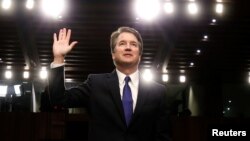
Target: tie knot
x,y
127,79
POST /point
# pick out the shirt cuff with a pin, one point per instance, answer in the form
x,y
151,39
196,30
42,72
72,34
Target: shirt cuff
x,y
53,65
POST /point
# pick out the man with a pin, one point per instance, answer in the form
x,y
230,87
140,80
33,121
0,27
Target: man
x,y
122,107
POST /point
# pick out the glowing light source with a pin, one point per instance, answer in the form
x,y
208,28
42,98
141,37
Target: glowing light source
x,y
205,37
168,7
165,78
68,80
219,8
53,7
182,78
6,4
8,67
8,74
198,51
191,64
192,8
147,9
147,75
3,90
30,4
17,90
43,73
26,74
182,71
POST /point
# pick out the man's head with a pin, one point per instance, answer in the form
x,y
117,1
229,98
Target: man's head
x,y
126,48
115,34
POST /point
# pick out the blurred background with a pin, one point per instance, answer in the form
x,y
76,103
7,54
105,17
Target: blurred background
x,y
199,49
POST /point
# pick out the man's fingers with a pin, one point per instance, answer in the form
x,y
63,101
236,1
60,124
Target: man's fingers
x,y
68,35
64,33
60,34
55,38
73,44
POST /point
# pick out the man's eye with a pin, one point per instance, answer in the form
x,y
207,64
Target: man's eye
x,y
121,43
134,44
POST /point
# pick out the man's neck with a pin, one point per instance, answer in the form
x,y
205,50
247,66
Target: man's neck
x,y
127,71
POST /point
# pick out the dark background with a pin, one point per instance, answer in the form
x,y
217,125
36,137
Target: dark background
x,y
217,85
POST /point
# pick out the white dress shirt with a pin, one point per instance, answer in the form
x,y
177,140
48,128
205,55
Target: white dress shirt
x,y
133,84
53,65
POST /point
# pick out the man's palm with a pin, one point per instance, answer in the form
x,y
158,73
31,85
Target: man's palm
x,y
61,44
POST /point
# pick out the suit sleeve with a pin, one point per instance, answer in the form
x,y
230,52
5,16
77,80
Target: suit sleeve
x,y
73,97
162,127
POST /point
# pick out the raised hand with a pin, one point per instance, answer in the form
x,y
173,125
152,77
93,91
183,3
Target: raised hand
x,y
61,45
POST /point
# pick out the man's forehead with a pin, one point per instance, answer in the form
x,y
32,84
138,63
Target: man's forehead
x,y
127,36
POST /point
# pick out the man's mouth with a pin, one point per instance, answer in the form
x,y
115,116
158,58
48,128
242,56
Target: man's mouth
x,y
127,55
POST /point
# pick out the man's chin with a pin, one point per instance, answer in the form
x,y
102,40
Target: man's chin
x,y
126,63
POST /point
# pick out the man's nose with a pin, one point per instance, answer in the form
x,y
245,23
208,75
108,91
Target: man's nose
x,y
128,46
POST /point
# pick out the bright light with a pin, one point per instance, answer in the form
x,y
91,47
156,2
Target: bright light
x,y
182,71
198,51
17,90
43,73
248,79
147,9
53,7
8,74
68,80
191,64
205,37
168,7
192,8
6,4
147,75
182,78
214,20
3,90
26,74
219,8
165,77
30,4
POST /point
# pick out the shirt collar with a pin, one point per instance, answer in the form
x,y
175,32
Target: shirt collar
x,y
134,77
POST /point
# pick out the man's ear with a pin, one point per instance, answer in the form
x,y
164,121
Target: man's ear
x,y
113,55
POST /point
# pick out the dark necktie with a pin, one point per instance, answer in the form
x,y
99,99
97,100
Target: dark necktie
x,y
127,101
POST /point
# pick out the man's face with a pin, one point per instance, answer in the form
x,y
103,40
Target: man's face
x,y
127,51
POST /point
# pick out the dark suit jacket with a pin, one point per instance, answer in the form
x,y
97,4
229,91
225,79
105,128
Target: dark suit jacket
x,y
101,95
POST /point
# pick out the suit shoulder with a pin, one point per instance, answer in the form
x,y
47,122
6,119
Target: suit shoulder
x,y
98,76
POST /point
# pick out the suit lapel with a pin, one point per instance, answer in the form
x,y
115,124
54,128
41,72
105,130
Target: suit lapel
x,y
115,92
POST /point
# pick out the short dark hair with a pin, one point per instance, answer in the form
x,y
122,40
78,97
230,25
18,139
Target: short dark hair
x,y
115,34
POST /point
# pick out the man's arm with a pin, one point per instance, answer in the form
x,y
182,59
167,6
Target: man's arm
x,y
61,47
73,97
56,85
